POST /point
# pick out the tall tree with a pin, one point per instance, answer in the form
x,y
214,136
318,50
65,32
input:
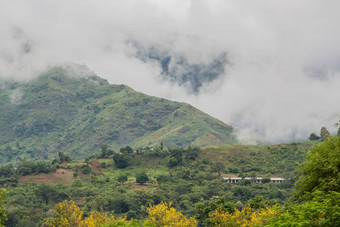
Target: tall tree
x,y
324,133
218,167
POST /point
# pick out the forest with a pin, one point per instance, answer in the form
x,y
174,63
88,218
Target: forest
x,y
134,187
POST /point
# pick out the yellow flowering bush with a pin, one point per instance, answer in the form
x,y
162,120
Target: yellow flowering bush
x,y
165,215
245,218
69,214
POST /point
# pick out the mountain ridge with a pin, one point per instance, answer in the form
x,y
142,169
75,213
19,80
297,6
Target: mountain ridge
x,y
62,110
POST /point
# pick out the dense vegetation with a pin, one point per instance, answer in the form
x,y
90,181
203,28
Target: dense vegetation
x,y
64,111
190,178
206,201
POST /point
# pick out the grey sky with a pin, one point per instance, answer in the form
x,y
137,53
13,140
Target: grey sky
x,y
284,75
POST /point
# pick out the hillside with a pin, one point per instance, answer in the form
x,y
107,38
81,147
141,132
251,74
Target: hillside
x,y
99,185
62,110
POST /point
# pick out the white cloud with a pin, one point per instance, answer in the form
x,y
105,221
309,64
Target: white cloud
x,y
283,82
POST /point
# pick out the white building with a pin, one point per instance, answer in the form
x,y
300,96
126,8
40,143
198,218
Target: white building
x,y
253,179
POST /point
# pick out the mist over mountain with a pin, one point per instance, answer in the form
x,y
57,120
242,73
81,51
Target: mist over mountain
x,y
177,69
270,69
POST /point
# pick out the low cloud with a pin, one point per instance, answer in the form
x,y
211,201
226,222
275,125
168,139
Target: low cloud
x,y
283,74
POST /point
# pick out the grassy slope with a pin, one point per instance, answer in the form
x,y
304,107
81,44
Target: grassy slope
x,y
279,160
261,160
62,112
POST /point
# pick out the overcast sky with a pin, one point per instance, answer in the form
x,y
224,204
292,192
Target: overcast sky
x,y
282,81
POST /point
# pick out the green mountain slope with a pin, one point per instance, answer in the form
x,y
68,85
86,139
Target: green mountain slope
x,y
62,111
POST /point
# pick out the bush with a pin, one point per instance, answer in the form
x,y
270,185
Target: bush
x,y
122,178
142,178
85,169
121,160
266,180
313,136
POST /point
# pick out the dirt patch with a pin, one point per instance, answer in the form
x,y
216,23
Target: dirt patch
x,y
61,175
95,165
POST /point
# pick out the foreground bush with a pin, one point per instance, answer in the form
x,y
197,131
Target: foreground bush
x,y
68,214
246,217
165,215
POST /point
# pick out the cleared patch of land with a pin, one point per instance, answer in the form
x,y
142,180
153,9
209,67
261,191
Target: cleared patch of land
x,y
61,175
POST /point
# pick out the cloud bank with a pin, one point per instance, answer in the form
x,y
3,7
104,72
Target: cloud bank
x,y
283,74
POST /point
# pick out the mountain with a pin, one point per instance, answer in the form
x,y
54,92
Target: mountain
x,y
71,110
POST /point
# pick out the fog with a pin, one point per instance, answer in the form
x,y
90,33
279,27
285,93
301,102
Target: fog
x,y
280,84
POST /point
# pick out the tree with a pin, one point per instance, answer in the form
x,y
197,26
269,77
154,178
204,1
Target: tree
x,y
321,170
218,167
259,202
104,150
324,134
246,217
165,215
204,208
85,169
175,157
322,210
3,216
46,193
338,133
122,178
126,150
266,180
63,157
121,160
68,213
313,136
191,152
142,178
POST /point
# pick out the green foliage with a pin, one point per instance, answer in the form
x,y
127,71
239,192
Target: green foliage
x,y
48,193
105,152
218,167
29,167
204,208
142,178
121,160
322,210
186,184
321,171
122,178
3,216
324,134
63,157
85,169
162,179
191,152
260,202
266,180
263,160
313,136
176,157
126,150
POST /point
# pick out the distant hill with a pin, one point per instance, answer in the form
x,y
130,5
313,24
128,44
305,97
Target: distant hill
x,y
74,111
